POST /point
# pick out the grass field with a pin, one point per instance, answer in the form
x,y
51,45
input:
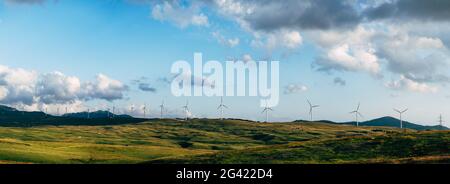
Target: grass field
x,y
214,141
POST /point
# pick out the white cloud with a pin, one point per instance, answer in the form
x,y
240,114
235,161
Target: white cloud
x,y
410,85
348,51
246,58
294,88
20,86
55,87
179,15
287,39
104,88
17,85
230,42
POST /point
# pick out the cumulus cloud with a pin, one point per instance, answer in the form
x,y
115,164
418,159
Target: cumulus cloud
x,y
104,88
20,86
406,84
55,87
179,14
294,88
347,51
418,58
17,85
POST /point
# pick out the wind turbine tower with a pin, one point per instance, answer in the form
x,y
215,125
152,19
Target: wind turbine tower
x,y
311,108
221,107
186,110
266,110
114,111
357,113
144,109
162,109
400,113
441,121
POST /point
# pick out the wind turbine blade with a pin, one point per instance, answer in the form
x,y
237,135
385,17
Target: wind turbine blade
x,y
225,106
357,109
404,110
309,103
316,106
360,114
397,111
263,111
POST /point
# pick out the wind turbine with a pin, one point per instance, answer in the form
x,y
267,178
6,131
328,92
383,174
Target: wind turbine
x,y
357,113
162,109
401,113
132,109
108,112
88,113
266,110
144,109
311,108
114,112
221,106
186,110
440,120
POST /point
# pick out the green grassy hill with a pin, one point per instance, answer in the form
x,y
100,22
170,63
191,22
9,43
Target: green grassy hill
x,y
215,141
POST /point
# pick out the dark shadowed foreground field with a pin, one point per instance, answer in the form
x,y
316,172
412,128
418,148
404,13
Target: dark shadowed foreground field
x,y
214,141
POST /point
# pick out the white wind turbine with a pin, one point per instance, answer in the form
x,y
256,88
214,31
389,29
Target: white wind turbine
x,y
357,113
145,110
401,113
114,111
221,107
186,110
131,109
441,121
266,110
311,108
162,109
108,113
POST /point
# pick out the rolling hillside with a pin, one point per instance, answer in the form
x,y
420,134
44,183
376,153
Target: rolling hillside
x,y
216,141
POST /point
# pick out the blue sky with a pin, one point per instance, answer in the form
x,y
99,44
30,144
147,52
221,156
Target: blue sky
x,y
139,40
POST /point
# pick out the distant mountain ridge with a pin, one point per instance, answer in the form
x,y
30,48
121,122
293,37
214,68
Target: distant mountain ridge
x,y
387,121
394,122
12,117
96,114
